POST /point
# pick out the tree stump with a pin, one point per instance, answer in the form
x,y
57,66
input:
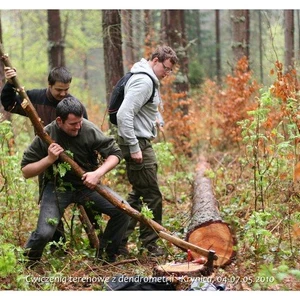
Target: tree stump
x,y
179,269
206,228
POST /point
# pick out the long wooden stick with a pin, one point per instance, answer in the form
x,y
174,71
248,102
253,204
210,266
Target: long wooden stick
x,y
103,190
88,227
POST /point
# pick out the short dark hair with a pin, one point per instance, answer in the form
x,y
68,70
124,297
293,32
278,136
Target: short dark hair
x,y
59,74
163,53
69,105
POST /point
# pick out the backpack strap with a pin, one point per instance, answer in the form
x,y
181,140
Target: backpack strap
x,y
154,86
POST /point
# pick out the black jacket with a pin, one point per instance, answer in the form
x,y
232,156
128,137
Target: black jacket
x,y
42,100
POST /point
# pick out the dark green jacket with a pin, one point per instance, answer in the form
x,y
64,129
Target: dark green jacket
x,y
87,148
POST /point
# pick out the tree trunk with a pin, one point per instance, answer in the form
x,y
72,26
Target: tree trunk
x,y
289,55
174,28
298,27
260,47
198,20
240,34
206,227
218,47
128,38
112,44
149,33
55,40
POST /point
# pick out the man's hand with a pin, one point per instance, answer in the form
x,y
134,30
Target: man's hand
x,y
137,157
38,167
160,128
53,151
10,73
90,179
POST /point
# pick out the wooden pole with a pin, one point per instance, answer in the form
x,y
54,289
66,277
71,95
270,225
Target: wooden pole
x,y
88,227
103,190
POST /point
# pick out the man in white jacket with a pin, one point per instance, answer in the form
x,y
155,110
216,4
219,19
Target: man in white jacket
x,y
137,119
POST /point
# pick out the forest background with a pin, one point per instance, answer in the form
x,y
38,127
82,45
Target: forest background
x,y
233,100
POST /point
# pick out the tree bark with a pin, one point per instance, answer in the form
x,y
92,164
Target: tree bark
x,y
218,46
127,36
55,39
112,45
174,30
240,34
149,32
206,227
260,47
289,54
173,35
103,190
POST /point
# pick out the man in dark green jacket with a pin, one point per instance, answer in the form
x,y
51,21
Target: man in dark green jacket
x,y
72,133
44,101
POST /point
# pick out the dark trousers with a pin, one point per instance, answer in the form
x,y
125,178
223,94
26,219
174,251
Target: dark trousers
x,y
52,207
145,189
59,234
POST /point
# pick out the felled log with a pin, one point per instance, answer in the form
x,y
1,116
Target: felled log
x,y
206,227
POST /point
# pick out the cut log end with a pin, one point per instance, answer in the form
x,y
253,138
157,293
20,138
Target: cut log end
x,y
214,236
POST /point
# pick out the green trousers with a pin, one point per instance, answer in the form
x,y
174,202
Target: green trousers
x,y
145,190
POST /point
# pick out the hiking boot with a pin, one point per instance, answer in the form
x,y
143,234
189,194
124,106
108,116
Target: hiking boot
x,y
58,250
36,266
123,250
155,251
105,258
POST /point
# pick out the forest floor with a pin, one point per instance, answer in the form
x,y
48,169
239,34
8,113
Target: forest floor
x,y
86,275
77,270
